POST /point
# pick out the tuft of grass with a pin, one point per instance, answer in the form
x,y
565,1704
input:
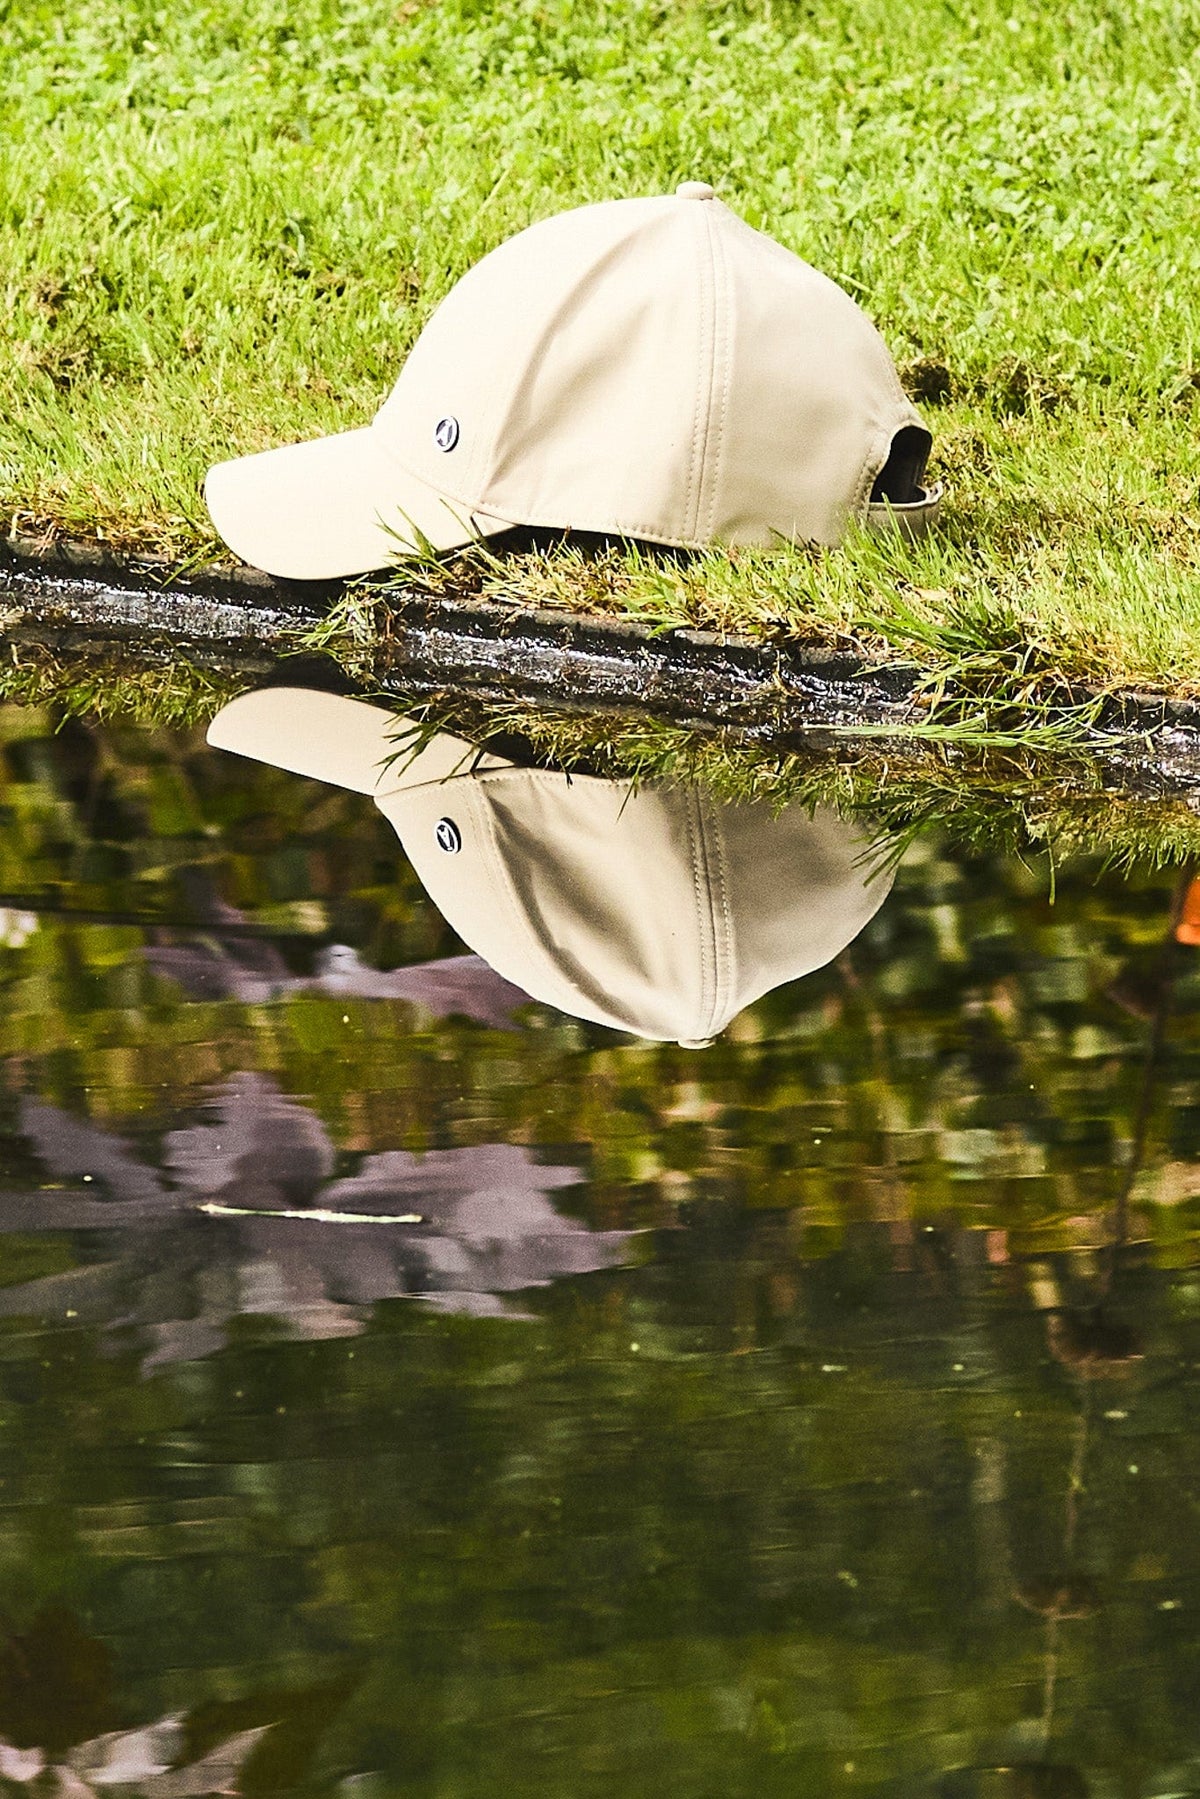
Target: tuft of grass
x,y
222,228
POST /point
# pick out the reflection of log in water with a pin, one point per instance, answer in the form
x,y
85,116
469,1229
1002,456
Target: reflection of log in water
x,y
243,1215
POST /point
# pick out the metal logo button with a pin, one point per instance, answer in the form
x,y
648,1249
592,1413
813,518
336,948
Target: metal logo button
x,y
449,837
445,433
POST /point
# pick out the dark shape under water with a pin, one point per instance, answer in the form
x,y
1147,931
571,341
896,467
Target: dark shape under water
x,y
55,1682
1092,1343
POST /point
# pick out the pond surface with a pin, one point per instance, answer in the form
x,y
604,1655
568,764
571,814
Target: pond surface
x,y
406,1389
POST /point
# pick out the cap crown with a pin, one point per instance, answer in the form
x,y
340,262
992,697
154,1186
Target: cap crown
x,y
649,368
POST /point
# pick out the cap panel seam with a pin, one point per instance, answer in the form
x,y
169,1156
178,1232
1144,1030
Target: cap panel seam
x,y
724,948
705,935
723,306
702,401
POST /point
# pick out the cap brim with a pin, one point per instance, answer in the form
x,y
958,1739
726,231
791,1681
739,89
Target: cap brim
x,y
346,742
333,507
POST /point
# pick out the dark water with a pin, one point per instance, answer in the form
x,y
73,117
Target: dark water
x,y
815,1413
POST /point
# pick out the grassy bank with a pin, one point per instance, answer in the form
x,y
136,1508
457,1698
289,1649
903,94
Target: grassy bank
x,y
221,229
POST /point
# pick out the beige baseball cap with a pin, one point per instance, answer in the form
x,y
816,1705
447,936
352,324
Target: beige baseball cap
x,y
650,369
654,909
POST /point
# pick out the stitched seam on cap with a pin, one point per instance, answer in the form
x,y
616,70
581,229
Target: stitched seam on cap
x,y
703,395
610,526
724,948
704,931
719,387
726,392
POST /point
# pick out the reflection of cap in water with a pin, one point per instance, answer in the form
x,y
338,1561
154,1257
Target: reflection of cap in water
x,y
657,910
650,368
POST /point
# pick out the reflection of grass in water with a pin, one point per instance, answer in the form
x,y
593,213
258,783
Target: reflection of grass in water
x,y
128,685
219,234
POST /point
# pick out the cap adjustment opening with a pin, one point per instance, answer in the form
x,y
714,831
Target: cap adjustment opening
x,y
902,475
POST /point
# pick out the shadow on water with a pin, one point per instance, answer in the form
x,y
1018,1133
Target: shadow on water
x,y
408,1388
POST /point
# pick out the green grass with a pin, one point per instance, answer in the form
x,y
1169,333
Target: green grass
x,y
221,228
